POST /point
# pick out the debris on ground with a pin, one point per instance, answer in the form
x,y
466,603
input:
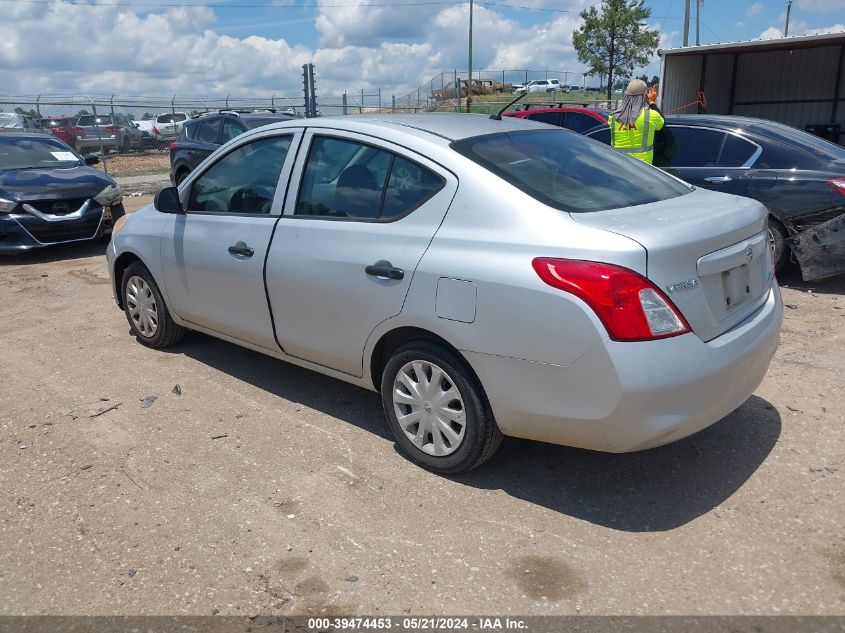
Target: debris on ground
x,y
111,407
147,402
177,390
220,436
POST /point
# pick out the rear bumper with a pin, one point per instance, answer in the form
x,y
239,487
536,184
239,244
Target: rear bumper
x,y
623,397
109,142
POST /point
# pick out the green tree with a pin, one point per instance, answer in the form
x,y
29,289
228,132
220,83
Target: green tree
x,y
147,116
82,112
614,40
32,113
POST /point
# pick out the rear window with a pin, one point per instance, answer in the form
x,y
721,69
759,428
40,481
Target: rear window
x,y
90,119
569,172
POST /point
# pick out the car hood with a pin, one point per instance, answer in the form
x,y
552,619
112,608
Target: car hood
x,y
52,184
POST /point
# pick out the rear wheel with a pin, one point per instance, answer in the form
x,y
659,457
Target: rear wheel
x,y
148,316
777,241
437,410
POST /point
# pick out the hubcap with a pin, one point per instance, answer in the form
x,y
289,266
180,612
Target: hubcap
x,y
142,306
429,408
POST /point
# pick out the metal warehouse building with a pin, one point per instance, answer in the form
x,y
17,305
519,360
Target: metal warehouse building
x,y
799,81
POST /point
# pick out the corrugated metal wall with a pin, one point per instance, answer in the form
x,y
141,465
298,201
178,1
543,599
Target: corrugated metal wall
x,y
764,81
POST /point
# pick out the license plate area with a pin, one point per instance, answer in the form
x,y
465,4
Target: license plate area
x,y
736,285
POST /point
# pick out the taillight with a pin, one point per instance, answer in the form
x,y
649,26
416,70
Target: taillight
x,y
77,131
629,305
173,146
110,129
838,184
155,131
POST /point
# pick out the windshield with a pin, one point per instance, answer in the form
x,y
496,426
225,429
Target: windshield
x,y
28,153
568,171
90,119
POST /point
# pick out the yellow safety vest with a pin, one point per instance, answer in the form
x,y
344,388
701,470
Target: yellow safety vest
x,y
638,140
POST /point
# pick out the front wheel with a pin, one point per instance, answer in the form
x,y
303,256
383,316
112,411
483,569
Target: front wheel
x,y
437,410
149,319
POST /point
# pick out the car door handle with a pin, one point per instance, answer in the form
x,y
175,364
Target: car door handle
x,y
718,180
384,270
239,249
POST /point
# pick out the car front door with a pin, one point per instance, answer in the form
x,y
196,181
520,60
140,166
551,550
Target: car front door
x,y
213,254
343,255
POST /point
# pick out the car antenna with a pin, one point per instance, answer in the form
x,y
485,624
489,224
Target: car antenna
x,y
498,115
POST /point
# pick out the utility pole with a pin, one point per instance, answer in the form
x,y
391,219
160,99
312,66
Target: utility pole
x,y
788,9
698,4
686,23
469,81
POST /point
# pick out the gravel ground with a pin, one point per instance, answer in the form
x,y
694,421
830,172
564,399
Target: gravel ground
x,y
257,488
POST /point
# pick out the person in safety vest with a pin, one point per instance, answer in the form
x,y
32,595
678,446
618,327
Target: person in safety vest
x,y
633,124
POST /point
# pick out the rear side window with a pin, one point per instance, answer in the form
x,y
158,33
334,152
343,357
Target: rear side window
x,y
209,131
409,186
231,129
580,122
347,179
552,118
190,130
569,172
736,152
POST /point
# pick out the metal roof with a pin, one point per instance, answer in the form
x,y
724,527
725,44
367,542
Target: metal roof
x,y
783,43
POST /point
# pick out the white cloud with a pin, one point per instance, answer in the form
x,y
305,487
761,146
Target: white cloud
x,y
754,9
50,48
799,28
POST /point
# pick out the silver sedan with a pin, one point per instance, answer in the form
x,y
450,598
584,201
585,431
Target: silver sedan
x,y
487,277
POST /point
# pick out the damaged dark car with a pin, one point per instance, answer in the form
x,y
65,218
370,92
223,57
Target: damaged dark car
x,y
800,178
49,194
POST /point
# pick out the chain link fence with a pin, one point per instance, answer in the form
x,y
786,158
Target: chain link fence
x,y
132,135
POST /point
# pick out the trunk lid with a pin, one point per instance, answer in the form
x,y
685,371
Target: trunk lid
x,y
708,251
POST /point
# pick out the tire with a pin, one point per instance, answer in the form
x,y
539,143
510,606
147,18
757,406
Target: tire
x,y
777,240
181,175
159,332
469,445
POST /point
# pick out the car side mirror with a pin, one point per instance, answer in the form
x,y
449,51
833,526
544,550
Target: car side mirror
x,y
91,159
167,201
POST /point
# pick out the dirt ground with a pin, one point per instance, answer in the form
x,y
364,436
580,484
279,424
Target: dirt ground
x,y
256,487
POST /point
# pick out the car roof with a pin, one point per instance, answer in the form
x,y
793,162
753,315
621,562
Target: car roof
x,y
521,113
438,127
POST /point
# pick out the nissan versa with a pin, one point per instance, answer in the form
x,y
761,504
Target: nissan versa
x,y
488,277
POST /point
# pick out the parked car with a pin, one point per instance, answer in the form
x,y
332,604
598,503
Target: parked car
x,y
572,118
203,134
575,89
108,132
799,177
49,194
167,125
145,126
14,122
543,85
487,276
63,128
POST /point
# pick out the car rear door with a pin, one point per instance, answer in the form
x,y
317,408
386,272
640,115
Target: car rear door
x,y
213,254
205,141
707,157
357,221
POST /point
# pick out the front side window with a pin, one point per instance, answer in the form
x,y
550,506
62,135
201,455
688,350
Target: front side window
x,y
244,180
736,151
580,122
568,171
347,179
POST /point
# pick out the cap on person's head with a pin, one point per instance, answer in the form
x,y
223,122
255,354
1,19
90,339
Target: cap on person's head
x,y
636,87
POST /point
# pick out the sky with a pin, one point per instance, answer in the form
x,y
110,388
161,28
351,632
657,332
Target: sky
x,y
257,47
